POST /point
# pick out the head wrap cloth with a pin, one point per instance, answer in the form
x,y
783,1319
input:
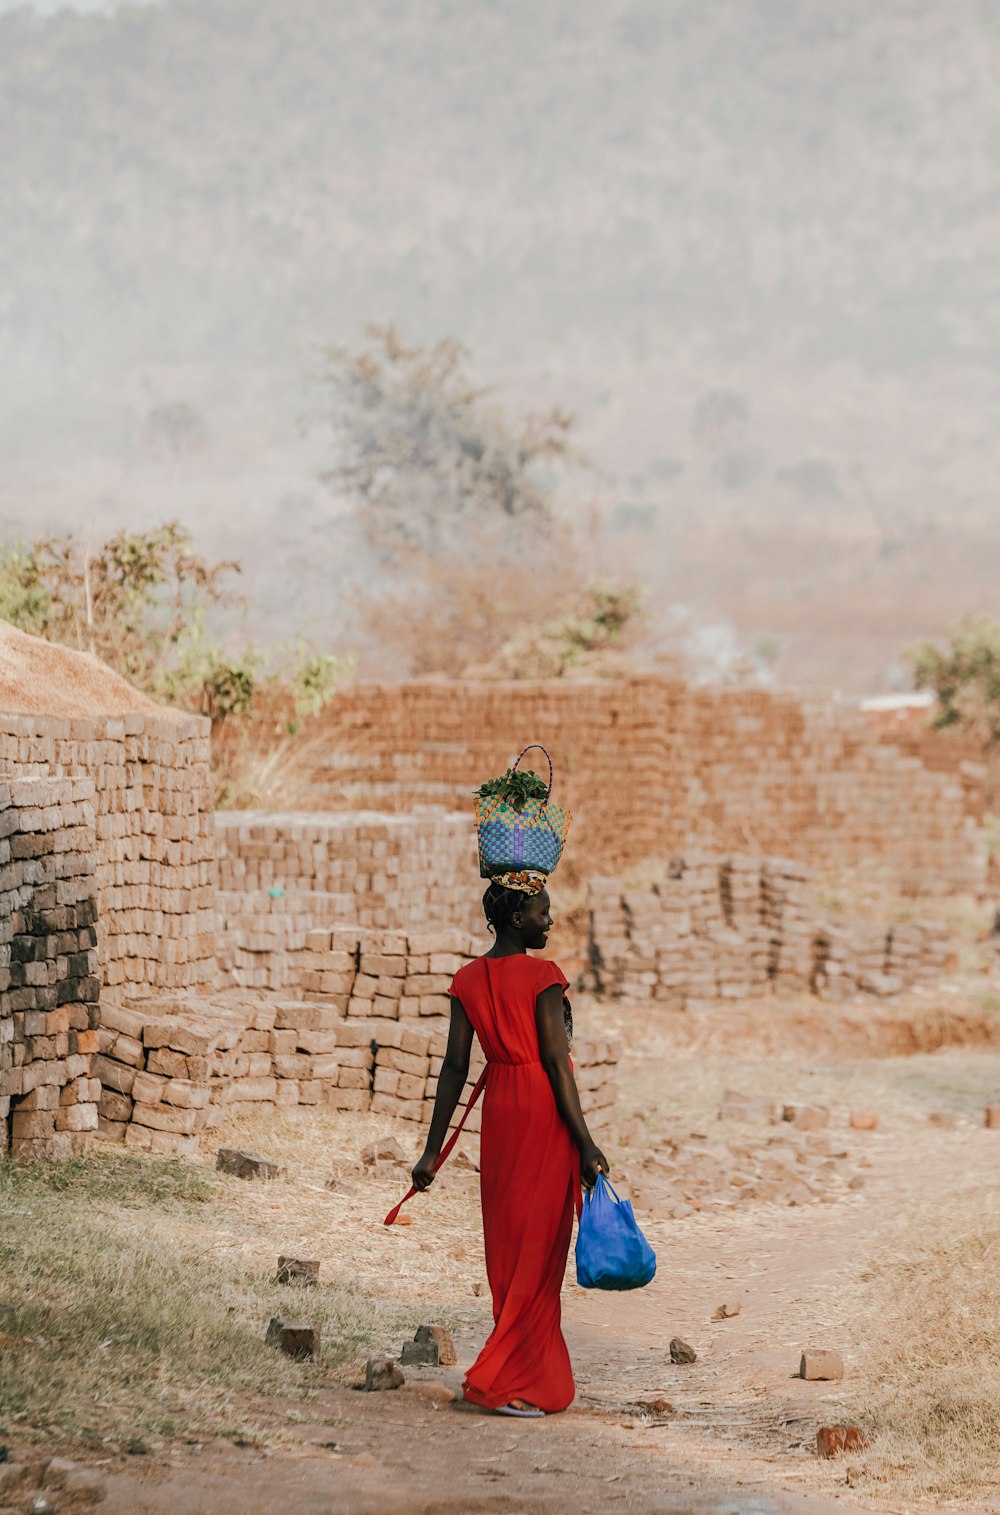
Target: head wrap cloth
x,y
520,844
525,882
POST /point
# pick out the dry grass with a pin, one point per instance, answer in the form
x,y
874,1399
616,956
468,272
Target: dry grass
x,y
136,1306
932,1399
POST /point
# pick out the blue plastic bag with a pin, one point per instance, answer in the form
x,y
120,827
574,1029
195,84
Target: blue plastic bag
x,y
611,1251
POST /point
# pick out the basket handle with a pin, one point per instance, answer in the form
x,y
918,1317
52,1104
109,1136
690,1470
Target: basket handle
x,y
530,746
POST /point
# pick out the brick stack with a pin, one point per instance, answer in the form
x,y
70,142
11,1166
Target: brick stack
x,y
153,850
49,1000
651,767
368,1031
382,872
735,927
918,951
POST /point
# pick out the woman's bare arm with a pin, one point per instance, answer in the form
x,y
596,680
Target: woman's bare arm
x,y
553,1049
451,1082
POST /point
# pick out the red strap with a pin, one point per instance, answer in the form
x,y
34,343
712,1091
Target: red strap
x,y
453,1138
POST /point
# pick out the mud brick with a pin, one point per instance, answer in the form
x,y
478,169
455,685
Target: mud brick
x,y
422,1353
114,1107
386,1008
446,962
187,1095
831,1441
32,1125
83,1043
55,1022
386,1080
311,1090
378,965
325,1065
821,1365
355,1057
410,1086
35,1074
76,1118
115,1076
306,1017
161,1033
112,1130
148,1088
389,988
283,1043
298,1270
125,1049
244,1164
165,1118
406,1062
353,1078
295,1065
316,1041
295,1338
434,1004
364,987
45,1097
286,1092
427,983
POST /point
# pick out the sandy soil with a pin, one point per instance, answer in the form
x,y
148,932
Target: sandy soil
x,y
42,678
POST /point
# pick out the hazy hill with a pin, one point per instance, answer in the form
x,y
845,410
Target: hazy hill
x,y
754,241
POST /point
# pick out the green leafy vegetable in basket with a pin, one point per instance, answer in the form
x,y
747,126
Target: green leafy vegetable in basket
x,y
516,786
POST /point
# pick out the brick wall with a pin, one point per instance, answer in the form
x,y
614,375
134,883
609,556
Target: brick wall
x,y
378,871
49,984
153,850
651,766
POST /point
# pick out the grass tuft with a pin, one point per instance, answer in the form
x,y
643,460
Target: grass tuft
x,y
132,1310
933,1397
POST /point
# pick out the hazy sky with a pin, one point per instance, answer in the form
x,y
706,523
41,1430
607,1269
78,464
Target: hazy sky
x,y
50,7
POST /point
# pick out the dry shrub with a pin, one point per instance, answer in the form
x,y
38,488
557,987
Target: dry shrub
x,y
932,1402
258,764
437,614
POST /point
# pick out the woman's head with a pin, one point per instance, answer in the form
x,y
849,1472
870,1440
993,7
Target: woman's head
x,y
526,918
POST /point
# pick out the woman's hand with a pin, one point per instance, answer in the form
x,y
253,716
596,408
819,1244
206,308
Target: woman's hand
x,y
592,1162
423,1173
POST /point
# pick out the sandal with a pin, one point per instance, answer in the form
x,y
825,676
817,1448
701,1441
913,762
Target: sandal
x,y
531,1414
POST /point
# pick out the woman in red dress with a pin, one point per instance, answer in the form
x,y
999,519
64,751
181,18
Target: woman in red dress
x,y
535,1150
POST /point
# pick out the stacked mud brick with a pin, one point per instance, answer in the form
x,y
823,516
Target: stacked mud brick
x,y
718,928
651,767
49,1001
367,1031
153,852
385,872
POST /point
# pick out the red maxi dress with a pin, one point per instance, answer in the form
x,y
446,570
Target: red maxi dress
x,y
530,1183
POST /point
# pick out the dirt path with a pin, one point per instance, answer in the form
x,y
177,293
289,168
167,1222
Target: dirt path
x,y
740,1437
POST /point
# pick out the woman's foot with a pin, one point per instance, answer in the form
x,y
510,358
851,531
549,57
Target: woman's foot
x,y
521,1408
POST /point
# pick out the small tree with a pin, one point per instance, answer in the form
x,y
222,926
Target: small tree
x,y
965,677
138,601
423,456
